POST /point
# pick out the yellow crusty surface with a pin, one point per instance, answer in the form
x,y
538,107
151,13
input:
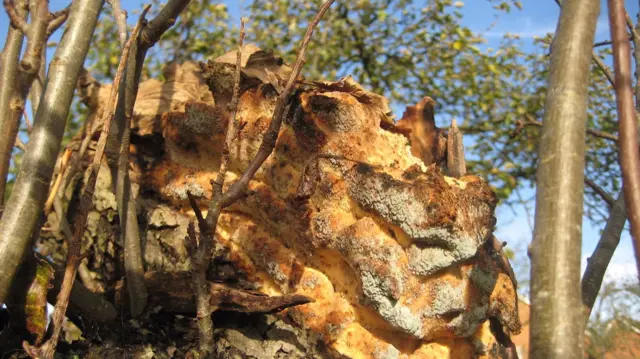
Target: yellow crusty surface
x,y
397,256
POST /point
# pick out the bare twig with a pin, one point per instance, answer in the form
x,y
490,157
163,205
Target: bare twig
x,y
27,122
56,185
219,201
600,192
530,121
269,139
203,253
15,17
632,30
604,68
56,20
117,149
603,43
35,94
629,156
20,145
74,257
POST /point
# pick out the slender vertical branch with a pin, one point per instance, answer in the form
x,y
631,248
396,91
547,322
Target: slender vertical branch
x,y
27,72
555,264
599,261
117,149
8,76
629,156
30,190
269,139
220,200
201,253
121,20
74,256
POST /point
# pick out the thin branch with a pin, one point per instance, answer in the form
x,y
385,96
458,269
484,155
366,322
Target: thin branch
x,y
30,64
530,121
603,43
162,22
53,192
599,261
57,19
604,68
629,156
15,17
128,90
269,139
203,253
219,201
9,59
600,192
117,150
20,145
121,20
27,122
609,42
634,35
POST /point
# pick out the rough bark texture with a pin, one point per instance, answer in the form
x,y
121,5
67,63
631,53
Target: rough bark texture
x,y
398,259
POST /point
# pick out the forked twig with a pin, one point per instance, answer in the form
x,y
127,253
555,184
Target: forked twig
x,y
220,200
202,254
16,20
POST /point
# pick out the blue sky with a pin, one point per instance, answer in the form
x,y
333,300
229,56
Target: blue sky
x,y
537,18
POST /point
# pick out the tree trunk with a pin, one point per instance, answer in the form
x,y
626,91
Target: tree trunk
x,y
344,246
556,311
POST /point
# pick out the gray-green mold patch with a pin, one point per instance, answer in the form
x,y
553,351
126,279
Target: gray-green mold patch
x,y
390,352
428,260
393,313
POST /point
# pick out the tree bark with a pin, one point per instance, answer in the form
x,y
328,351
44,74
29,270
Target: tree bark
x,y
32,183
599,261
556,321
8,77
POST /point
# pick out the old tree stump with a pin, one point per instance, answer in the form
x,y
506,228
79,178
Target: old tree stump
x,y
349,212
